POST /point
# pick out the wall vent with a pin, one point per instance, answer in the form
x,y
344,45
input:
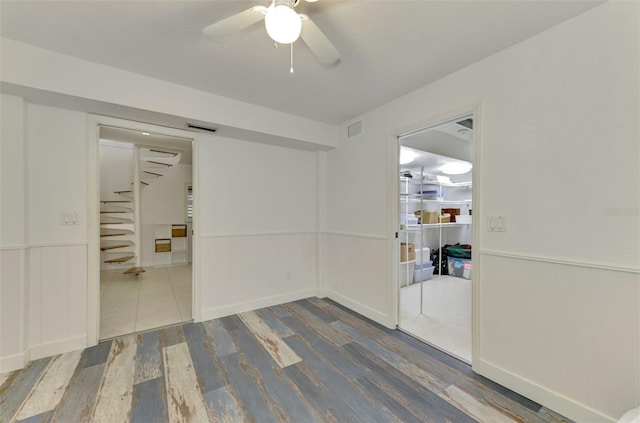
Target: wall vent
x,y
354,130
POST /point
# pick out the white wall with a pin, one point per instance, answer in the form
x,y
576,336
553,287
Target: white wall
x,y
164,200
24,65
256,225
13,232
258,229
116,169
558,294
164,203
44,271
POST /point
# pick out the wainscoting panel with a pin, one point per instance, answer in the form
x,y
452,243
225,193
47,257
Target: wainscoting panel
x,y
58,298
12,308
543,323
357,275
241,272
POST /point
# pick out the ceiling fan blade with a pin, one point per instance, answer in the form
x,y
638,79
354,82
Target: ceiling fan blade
x,y
317,42
235,23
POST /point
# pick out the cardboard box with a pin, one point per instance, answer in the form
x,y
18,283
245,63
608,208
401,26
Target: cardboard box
x,y
452,212
444,218
163,245
178,231
427,217
407,251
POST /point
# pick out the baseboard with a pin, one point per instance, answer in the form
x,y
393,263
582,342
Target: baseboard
x,y
553,400
358,307
57,347
228,310
322,293
14,362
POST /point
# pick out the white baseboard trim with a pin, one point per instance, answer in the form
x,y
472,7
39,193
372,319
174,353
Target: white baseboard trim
x,y
322,293
228,310
18,361
358,307
553,400
58,347
14,362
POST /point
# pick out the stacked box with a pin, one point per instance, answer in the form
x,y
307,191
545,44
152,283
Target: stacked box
x,y
407,251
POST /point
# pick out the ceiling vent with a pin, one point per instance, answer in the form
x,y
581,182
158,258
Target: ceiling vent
x,y
354,130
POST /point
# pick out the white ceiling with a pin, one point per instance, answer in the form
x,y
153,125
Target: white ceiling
x,y
438,146
389,48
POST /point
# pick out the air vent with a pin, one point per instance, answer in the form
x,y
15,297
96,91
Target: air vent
x,y
200,127
354,130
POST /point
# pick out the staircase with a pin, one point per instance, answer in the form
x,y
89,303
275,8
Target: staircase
x,y
120,218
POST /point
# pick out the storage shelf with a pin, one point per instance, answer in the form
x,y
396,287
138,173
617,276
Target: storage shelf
x,y
442,184
416,198
418,228
178,251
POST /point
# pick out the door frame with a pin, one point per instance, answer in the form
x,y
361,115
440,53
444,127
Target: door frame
x,y
393,211
94,122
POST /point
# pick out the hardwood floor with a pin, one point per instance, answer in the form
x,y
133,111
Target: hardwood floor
x,y
306,361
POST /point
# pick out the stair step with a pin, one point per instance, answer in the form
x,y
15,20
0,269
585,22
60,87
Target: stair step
x,y
119,227
106,235
159,163
114,201
121,192
122,206
134,271
119,259
117,223
113,211
164,152
113,247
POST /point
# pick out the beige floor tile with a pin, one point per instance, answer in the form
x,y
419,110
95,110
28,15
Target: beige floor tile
x,y
150,307
185,309
155,290
121,292
118,318
159,297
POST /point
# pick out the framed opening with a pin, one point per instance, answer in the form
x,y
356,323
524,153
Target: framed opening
x,y
143,243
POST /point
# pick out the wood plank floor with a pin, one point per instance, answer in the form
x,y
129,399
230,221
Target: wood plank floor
x,y
306,361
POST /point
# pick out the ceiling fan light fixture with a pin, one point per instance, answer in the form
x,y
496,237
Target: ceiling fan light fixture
x,y
283,24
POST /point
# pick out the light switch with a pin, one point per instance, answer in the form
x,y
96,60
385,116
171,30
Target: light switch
x,y
69,217
497,224
501,222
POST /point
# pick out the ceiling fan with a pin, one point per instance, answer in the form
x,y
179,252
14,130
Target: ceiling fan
x,y
283,24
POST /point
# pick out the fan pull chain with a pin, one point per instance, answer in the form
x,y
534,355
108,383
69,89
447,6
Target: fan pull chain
x,y
291,69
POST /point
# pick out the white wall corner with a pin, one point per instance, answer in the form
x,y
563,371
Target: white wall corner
x,y
378,317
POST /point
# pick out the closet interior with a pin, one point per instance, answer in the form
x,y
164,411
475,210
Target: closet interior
x,y
435,236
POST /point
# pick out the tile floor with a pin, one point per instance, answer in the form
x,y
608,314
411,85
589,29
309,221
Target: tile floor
x,y
445,321
159,297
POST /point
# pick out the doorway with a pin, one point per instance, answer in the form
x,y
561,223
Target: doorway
x,y
435,231
141,247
